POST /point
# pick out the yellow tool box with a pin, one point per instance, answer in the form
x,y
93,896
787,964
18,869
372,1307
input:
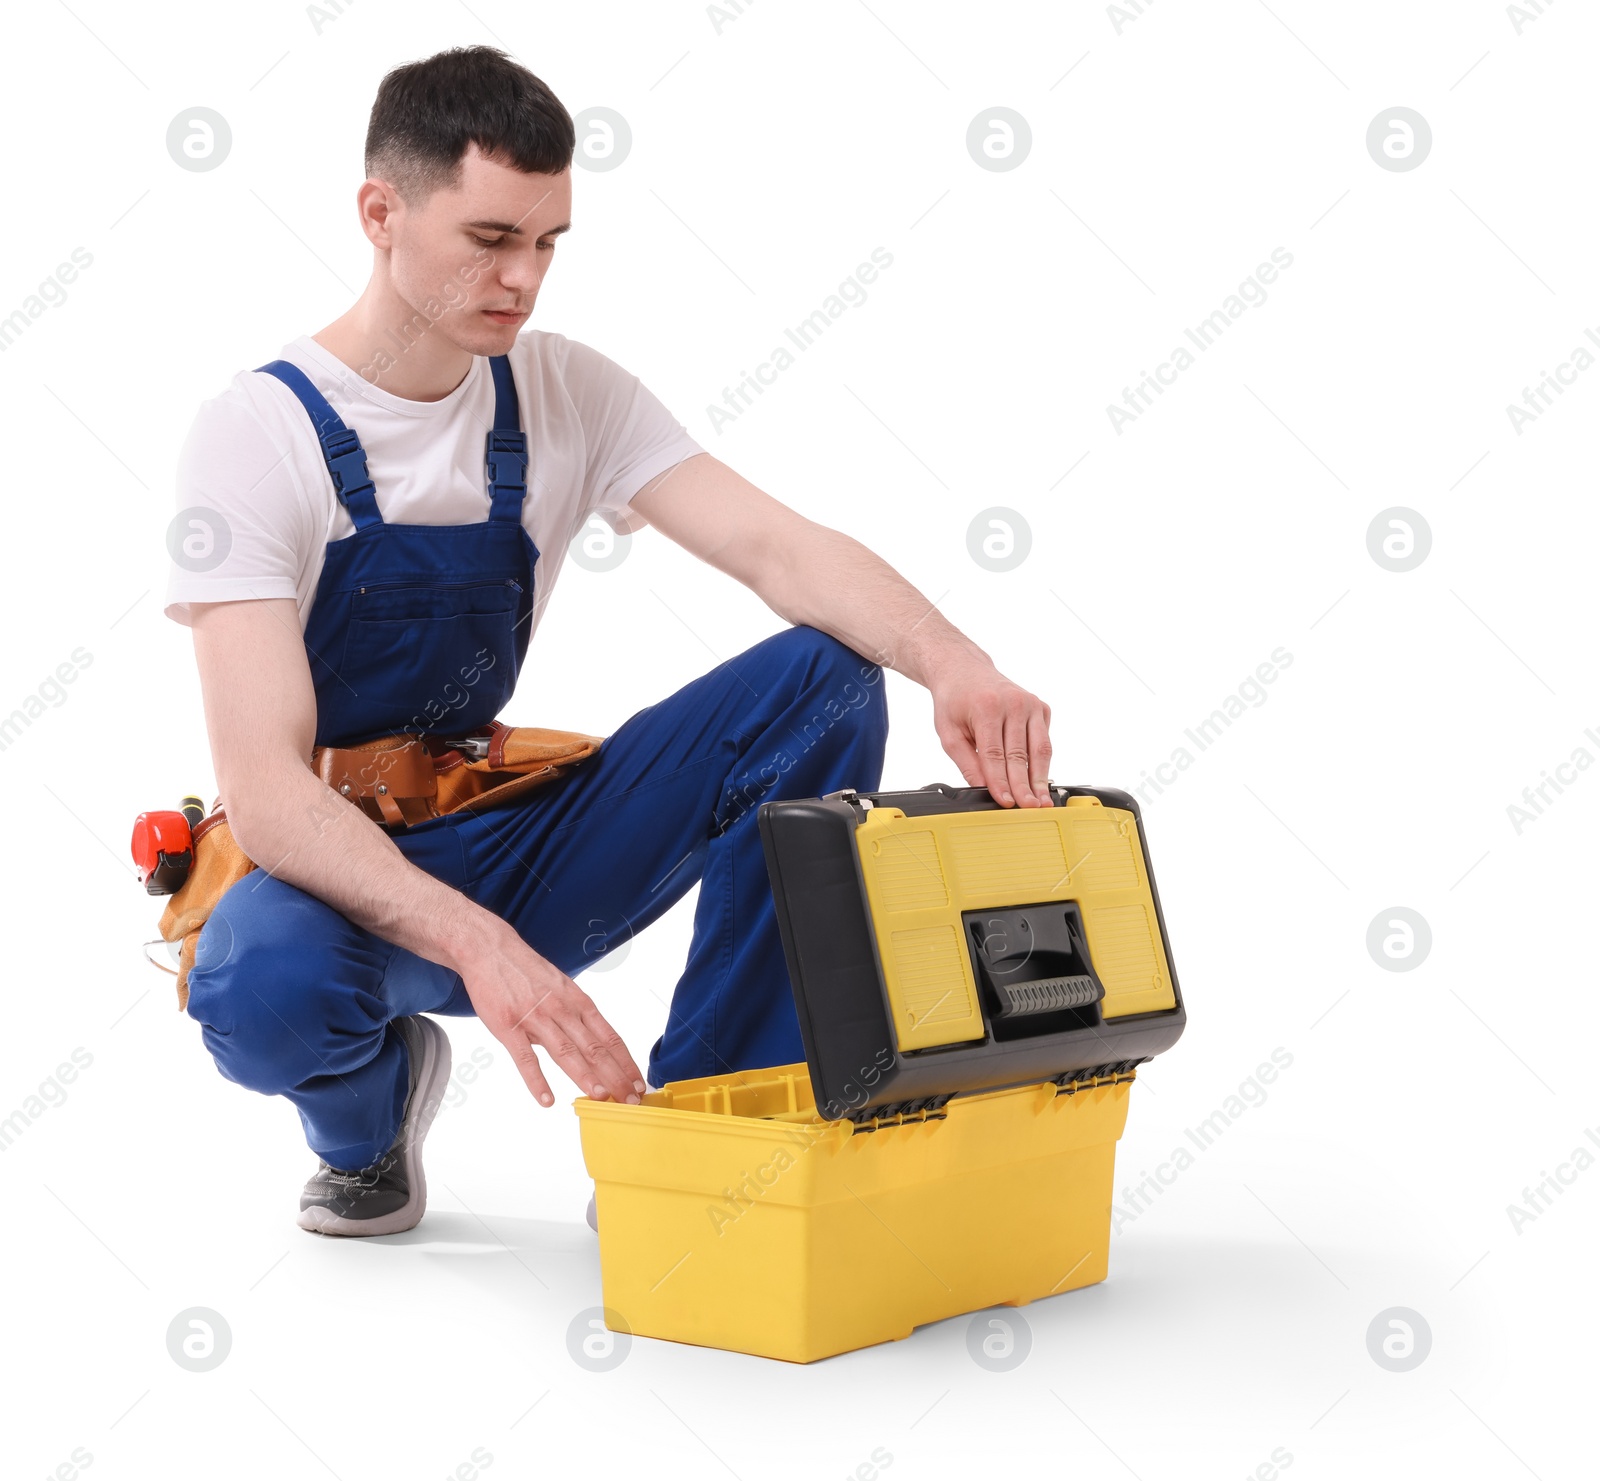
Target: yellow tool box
x,y
975,987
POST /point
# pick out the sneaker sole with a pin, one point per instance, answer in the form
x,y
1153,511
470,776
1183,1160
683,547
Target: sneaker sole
x,y
424,1106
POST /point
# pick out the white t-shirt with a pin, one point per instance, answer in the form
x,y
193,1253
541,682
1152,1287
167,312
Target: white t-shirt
x,y
596,436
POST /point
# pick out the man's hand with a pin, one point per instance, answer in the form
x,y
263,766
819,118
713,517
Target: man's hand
x,y
524,1000
995,731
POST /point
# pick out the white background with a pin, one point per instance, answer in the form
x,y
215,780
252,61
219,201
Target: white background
x,y
1167,161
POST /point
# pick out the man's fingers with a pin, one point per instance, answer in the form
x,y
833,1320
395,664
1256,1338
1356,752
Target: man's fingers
x,y
585,1054
566,1024
1016,751
959,749
1021,742
981,758
1039,753
1000,738
603,1076
527,1063
611,1055
546,1024
988,736
558,1042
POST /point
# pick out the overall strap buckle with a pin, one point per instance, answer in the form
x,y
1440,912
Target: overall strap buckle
x,y
341,448
506,458
347,463
506,447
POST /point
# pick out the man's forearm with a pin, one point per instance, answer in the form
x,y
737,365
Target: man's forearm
x,y
827,580
299,830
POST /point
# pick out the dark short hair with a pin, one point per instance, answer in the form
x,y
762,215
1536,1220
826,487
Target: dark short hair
x,y
428,112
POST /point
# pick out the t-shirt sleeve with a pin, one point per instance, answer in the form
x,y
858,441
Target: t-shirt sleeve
x,y
630,434
244,525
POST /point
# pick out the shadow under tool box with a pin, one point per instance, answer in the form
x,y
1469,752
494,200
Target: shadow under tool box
x,y
976,986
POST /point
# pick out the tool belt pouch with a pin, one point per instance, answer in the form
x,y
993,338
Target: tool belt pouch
x,y
403,779
516,760
219,864
394,780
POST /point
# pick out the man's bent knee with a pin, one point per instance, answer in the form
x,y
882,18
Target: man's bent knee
x,y
272,998
848,680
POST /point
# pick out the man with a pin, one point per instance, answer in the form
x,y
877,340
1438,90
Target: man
x,y
398,492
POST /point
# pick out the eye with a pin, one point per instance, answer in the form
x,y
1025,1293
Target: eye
x,y
547,246
485,242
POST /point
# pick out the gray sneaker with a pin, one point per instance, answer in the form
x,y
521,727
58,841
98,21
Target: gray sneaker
x,y
390,1196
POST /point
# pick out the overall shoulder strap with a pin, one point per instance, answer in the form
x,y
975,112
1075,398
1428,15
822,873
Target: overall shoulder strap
x,y
506,453
341,448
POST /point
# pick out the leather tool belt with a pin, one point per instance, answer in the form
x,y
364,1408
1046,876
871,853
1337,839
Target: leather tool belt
x,y
404,779
397,781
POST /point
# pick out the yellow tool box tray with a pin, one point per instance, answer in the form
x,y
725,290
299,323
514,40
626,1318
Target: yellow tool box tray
x,y
733,1216
975,986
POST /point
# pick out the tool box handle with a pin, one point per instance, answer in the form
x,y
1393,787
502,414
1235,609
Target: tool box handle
x,y
941,797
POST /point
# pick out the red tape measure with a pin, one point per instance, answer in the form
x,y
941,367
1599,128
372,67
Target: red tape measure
x,y
163,847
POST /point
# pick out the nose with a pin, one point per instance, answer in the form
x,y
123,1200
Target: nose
x,y
521,273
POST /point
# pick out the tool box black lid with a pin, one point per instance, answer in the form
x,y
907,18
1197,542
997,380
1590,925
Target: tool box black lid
x,y
919,977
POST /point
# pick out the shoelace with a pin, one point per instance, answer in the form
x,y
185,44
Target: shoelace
x,y
367,1177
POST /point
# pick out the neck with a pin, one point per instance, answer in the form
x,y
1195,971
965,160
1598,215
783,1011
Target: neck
x,y
394,346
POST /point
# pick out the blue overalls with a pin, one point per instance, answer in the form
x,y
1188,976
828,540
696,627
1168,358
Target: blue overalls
x,y
424,628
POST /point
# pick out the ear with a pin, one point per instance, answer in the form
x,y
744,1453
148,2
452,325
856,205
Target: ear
x,y
378,203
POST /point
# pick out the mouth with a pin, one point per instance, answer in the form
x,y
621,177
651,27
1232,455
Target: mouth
x,y
505,316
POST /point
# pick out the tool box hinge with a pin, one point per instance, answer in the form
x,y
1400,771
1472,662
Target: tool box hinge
x,y
901,1113
1118,1072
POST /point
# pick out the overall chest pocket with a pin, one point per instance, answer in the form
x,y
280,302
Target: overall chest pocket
x,y
440,658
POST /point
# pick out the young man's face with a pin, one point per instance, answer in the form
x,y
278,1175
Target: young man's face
x,y
481,249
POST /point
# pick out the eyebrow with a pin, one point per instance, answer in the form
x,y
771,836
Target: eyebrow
x,y
510,228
